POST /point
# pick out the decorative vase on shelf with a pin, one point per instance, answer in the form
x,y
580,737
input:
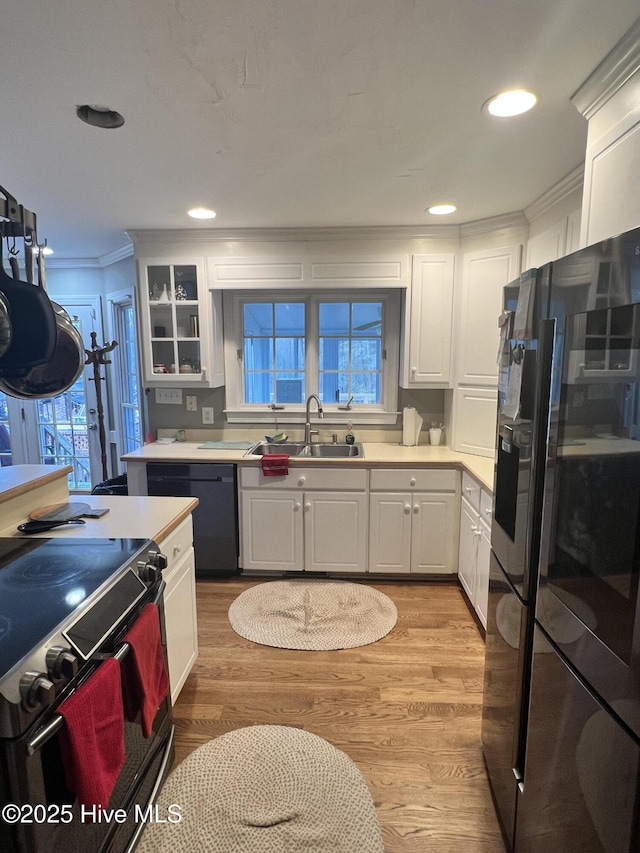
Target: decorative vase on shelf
x,y
164,296
181,293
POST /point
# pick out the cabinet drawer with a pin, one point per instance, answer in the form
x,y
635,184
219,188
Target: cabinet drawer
x,y
177,543
407,479
471,491
354,480
486,507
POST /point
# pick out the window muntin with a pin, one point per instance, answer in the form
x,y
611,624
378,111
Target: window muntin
x,y
350,352
274,352
342,346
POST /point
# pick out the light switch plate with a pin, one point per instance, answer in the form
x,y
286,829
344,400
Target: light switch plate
x,y
207,415
192,403
169,395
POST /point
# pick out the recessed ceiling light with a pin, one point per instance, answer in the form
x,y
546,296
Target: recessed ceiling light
x,y
201,213
511,103
442,209
98,116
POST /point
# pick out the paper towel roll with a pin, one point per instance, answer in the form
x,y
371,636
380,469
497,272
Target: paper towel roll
x,y
409,416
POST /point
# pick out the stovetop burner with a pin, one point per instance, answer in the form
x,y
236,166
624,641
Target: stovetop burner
x,y
43,583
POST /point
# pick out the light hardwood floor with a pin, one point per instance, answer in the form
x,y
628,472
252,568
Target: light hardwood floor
x,y
405,709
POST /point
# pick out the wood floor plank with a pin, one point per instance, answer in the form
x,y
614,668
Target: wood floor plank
x,y
406,709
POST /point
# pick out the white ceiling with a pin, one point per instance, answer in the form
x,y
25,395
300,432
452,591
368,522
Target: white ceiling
x,y
285,113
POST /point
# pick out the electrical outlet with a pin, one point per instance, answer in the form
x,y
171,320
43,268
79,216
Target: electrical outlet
x,y
207,415
192,403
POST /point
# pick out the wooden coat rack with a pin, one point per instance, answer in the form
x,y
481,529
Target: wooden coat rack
x,y
96,357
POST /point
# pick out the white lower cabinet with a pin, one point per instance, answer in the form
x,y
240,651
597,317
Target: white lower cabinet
x,y
180,605
310,520
413,531
475,545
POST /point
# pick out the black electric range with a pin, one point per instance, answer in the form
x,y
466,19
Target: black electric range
x,y
59,597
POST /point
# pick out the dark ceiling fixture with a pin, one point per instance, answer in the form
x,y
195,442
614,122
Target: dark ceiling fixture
x,y
99,116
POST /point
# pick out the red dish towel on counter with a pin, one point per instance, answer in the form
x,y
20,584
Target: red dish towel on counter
x,y
92,740
146,682
275,464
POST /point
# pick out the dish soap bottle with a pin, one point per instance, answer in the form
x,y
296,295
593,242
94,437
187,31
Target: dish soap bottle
x,y
349,437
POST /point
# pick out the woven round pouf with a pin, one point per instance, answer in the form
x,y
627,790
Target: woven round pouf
x,y
265,789
312,615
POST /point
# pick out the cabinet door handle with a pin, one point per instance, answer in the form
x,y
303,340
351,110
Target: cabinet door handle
x,y
407,508
467,489
307,506
302,481
296,507
177,549
412,481
416,509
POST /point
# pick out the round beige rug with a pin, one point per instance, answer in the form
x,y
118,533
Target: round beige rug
x,y
265,789
314,615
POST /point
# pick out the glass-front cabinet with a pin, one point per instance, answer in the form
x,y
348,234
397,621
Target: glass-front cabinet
x,y
181,325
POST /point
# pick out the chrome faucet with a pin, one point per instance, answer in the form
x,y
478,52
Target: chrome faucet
x,y
308,432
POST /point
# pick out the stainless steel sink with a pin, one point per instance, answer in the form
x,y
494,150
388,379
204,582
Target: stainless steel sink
x,y
312,451
263,448
333,451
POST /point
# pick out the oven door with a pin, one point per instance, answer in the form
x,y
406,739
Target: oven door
x,y
33,776
589,597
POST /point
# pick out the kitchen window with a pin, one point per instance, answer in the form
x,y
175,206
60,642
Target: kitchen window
x,y
341,346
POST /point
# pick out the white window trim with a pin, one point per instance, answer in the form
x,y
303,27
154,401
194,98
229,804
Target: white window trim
x,y
239,412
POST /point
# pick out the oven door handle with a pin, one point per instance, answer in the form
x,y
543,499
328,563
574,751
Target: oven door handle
x,y
56,722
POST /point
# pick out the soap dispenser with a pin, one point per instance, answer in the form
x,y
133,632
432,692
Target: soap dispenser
x,y
349,437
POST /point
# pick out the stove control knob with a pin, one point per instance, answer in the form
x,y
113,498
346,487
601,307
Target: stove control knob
x,y
61,664
36,690
158,559
149,573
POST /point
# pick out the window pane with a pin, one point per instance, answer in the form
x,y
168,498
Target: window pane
x,y
290,388
365,388
258,387
258,319
367,318
334,318
366,355
334,354
289,354
258,354
289,318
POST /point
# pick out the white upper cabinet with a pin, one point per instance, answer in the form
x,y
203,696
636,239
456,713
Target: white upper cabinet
x,y
426,349
180,322
484,274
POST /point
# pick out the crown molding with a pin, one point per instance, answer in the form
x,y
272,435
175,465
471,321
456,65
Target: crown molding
x,y
614,70
248,235
125,251
570,183
494,223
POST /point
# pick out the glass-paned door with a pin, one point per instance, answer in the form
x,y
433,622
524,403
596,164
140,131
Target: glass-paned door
x,y
63,434
127,392
63,430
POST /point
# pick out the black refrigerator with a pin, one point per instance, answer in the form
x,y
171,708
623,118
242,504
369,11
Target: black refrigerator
x,y
573,728
524,379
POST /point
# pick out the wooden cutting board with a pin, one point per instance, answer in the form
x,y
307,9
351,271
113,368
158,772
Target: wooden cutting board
x,y
60,512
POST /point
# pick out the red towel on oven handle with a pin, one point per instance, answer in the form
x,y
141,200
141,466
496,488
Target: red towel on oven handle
x,y
275,464
145,681
92,740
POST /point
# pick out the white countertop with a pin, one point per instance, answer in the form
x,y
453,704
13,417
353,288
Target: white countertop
x,y
128,518
16,480
375,455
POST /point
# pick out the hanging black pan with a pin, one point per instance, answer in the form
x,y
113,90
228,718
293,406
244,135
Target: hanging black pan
x,y
64,367
33,325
